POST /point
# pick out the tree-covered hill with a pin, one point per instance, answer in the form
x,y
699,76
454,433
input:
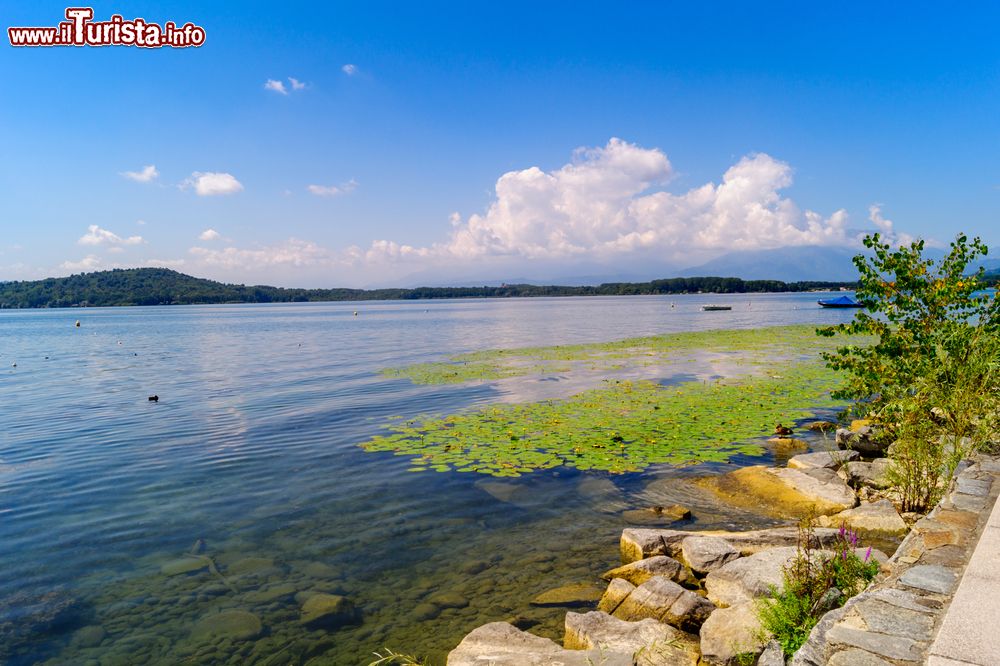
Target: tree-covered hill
x,y
161,286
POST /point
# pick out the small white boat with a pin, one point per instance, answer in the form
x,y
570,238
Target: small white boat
x,y
715,308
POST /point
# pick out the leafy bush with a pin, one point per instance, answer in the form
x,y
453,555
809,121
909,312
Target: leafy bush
x,y
931,379
815,582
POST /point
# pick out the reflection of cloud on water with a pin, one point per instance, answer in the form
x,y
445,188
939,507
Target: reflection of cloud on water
x,y
582,376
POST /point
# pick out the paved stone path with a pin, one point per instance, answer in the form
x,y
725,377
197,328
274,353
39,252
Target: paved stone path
x,y
944,583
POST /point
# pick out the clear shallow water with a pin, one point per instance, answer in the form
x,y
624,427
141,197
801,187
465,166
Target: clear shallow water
x,y
252,449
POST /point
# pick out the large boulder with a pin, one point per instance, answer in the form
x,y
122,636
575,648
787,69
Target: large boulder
x,y
750,577
502,644
729,633
866,474
707,553
664,600
822,459
783,491
880,516
653,643
639,572
863,439
638,543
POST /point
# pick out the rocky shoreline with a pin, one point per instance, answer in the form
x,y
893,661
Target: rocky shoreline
x,y
688,597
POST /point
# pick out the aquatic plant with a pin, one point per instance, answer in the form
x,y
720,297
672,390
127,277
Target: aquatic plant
x,y
624,426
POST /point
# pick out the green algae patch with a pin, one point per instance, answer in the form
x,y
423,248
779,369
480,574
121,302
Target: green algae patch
x,y
622,427
751,345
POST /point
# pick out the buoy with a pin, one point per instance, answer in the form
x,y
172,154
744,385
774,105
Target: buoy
x,y
355,313
78,323
154,398
13,365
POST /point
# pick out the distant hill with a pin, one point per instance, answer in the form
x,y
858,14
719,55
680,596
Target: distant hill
x,y
789,263
161,286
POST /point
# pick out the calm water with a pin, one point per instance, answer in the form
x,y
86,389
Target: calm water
x,y
250,457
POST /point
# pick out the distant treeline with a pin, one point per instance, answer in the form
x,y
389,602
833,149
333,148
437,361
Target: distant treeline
x,y
160,286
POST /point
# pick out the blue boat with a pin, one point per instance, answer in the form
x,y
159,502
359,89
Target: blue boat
x,y
840,302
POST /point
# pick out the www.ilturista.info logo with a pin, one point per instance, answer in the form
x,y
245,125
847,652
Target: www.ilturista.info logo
x,y
81,30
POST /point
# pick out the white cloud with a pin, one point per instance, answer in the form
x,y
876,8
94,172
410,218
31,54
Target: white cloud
x,y
209,183
293,252
349,69
333,190
885,227
209,235
146,175
275,86
141,223
296,84
89,263
98,236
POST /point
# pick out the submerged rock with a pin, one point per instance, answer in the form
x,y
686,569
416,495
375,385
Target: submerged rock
x,y
707,553
731,632
579,594
501,644
184,565
234,625
639,572
89,636
657,515
602,493
652,643
327,610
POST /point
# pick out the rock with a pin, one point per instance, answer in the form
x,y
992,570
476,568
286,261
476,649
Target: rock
x,y
825,459
234,625
730,632
425,611
502,644
750,577
707,553
603,494
821,426
783,491
656,515
639,543
252,566
788,443
475,567
578,594
930,578
664,600
657,644
772,655
89,636
272,593
878,516
862,439
184,565
618,590
520,495
449,600
865,474
327,610
639,572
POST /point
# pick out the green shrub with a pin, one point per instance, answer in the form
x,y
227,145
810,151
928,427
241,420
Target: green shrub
x,y
814,582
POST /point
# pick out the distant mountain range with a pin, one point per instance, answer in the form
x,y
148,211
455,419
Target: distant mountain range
x,y
160,286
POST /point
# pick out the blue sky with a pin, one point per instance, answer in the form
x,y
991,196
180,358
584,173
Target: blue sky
x,y
451,148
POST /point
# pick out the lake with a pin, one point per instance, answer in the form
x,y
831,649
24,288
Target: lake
x,y
250,460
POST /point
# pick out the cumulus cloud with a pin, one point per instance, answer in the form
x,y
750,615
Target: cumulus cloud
x,y
97,236
293,252
296,84
209,183
349,69
146,175
885,227
209,235
609,202
275,86
89,263
333,190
